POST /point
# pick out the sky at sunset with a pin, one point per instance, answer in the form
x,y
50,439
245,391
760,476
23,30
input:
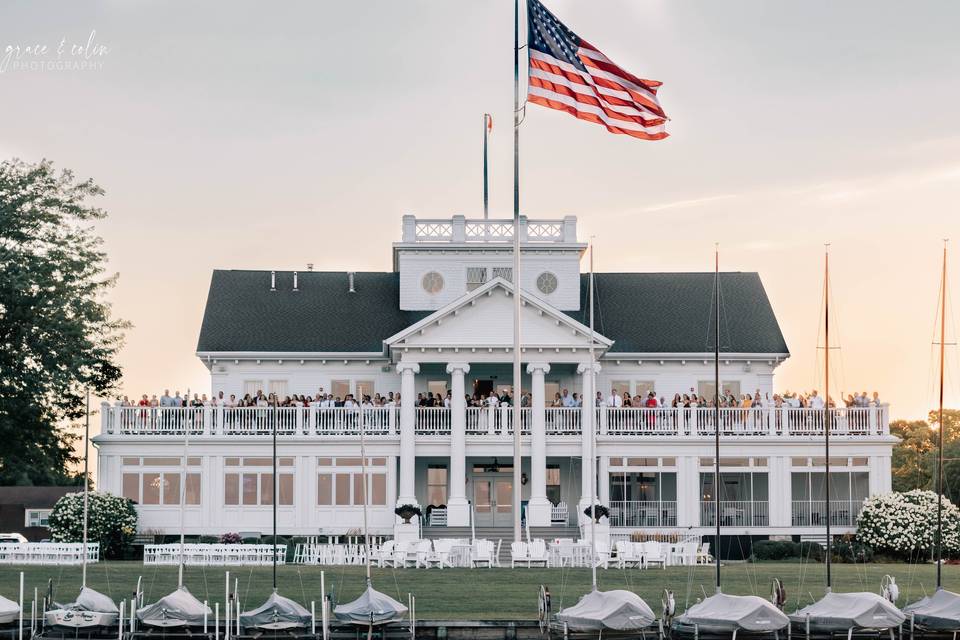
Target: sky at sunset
x,y
272,135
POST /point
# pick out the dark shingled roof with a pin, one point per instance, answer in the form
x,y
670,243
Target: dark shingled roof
x,y
641,312
674,312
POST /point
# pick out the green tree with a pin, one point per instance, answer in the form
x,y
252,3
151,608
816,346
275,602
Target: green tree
x,y
915,456
57,336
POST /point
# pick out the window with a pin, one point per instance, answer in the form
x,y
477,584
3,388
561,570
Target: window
x,y
250,387
547,283
364,388
620,386
503,272
278,388
437,484
251,484
644,387
550,391
156,488
432,282
340,388
553,484
642,462
705,388
37,517
439,389
476,276
340,482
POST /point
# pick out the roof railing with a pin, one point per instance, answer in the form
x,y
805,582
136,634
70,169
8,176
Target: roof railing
x,y
460,230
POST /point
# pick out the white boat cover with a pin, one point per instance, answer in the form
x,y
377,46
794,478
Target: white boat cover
x,y
9,610
179,609
276,613
940,612
372,607
724,613
843,611
618,610
90,600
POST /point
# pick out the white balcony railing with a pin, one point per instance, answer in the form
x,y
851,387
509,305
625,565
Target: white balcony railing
x,y
492,421
458,229
813,513
652,513
736,513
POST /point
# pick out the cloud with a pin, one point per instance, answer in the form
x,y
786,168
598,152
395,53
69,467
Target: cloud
x,y
684,204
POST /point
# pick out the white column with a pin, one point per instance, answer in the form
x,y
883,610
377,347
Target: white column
x,y
408,415
458,511
603,486
588,418
688,491
779,491
538,507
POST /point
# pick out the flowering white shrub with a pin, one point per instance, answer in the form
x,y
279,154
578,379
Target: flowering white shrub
x,y
111,521
904,523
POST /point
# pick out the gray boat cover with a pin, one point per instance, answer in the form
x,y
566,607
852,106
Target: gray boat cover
x,y
725,613
276,612
372,607
179,609
843,611
618,610
9,610
939,612
90,600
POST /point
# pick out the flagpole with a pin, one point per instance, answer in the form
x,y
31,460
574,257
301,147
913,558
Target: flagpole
x,y
487,124
517,460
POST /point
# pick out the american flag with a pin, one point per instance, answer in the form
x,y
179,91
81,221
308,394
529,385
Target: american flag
x,y
569,74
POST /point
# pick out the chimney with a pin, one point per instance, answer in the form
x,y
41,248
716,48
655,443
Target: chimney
x,y
273,281
350,279
309,266
295,281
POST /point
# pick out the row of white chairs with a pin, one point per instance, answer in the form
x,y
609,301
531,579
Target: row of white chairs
x,y
213,554
51,553
662,554
330,553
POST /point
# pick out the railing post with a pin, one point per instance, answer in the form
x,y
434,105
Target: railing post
x,y
106,418
392,420
604,419
784,414
207,420
491,419
873,422
221,416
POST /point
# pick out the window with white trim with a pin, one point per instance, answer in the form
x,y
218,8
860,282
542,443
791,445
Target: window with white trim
x,y
249,481
340,482
37,517
476,276
156,480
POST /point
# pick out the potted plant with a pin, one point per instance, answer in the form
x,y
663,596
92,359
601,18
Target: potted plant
x,y
599,511
407,511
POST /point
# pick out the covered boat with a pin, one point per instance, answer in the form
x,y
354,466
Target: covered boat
x,y
179,609
722,613
276,613
91,609
9,610
371,608
939,612
617,610
845,611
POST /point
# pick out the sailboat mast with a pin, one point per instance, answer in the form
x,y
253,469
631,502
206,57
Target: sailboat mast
x,y
517,460
826,398
183,482
592,411
716,409
86,486
276,496
363,480
943,341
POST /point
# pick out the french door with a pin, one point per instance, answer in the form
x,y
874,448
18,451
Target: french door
x,y
493,501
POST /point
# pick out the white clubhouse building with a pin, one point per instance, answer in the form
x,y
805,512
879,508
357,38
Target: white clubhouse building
x,y
442,321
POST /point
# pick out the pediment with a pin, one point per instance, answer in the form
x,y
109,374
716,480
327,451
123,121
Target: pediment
x,y
484,319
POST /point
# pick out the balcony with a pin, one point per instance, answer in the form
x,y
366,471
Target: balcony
x,y
492,422
459,229
813,513
735,513
633,513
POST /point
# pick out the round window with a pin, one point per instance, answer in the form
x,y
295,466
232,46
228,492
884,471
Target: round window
x,y
547,282
432,282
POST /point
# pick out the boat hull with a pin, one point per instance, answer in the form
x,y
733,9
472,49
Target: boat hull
x,y
79,619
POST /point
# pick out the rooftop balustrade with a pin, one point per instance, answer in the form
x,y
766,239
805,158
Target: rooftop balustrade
x,y
491,422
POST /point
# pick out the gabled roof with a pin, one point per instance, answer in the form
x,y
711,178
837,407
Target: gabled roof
x,y
640,312
465,301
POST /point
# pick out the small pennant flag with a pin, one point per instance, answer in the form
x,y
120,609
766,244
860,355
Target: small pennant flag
x,y
569,74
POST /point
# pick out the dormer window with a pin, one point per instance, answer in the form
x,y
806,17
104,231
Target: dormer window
x,y
503,272
476,277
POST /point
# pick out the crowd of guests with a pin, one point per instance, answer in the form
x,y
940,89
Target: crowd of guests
x,y
564,398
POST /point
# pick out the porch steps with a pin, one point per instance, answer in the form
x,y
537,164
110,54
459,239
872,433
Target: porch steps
x,y
502,534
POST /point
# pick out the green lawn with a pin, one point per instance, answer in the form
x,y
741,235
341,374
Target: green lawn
x,y
478,593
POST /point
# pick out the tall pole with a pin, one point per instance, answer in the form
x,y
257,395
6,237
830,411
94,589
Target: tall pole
x,y
593,445
943,341
183,482
517,460
487,125
716,409
86,487
276,496
826,396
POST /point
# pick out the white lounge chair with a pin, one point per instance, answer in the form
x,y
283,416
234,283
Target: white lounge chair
x,y
384,555
481,553
537,554
626,556
653,554
518,554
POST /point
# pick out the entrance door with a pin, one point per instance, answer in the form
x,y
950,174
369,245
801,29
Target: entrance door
x,y
482,388
493,501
